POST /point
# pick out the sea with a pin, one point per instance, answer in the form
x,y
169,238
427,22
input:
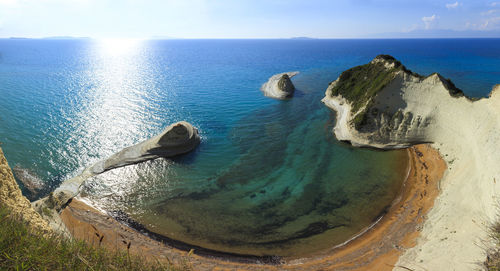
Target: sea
x,y
269,177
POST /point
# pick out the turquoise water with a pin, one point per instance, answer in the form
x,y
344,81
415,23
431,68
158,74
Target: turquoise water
x,y
269,177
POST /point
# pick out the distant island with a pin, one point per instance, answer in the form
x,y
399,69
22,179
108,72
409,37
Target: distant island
x,y
302,38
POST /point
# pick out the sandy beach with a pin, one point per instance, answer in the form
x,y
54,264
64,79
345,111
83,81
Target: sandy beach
x,y
378,248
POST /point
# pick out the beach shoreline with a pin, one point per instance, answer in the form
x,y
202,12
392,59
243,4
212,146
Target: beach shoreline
x,y
377,247
413,109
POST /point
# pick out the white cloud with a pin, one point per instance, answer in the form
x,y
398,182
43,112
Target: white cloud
x,y
489,12
490,23
453,5
494,4
429,21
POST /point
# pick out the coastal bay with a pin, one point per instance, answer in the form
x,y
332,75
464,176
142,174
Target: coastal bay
x,y
255,153
377,247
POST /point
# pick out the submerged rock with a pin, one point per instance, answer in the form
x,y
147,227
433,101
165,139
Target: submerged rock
x,y
29,180
18,205
280,86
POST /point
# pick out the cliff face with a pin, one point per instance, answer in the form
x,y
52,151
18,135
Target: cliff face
x,y
410,109
391,107
18,205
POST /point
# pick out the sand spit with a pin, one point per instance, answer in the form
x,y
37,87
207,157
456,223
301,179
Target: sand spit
x,y
279,86
376,249
413,109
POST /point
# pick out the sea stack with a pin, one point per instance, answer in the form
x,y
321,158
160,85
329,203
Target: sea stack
x,y
279,86
384,105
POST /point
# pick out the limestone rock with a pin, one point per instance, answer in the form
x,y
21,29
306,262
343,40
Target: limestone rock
x,y
279,86
176,139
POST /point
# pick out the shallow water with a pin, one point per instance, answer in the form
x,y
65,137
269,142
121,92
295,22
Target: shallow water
x,y
268,178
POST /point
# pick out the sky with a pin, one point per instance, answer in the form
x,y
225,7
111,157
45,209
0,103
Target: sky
x,y
248,18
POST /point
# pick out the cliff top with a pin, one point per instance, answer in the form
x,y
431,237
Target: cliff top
x,y
360,84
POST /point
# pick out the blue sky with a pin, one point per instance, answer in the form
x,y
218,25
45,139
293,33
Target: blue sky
x,y
246,18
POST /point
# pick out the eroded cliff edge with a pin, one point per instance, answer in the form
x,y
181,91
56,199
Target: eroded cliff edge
x,y
384,105
19,206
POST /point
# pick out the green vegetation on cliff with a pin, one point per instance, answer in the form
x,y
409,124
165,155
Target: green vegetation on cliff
x,y
21,249
492,262
359,85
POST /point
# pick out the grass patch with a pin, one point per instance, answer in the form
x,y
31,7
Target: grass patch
x,y
21,249
46,212
492,262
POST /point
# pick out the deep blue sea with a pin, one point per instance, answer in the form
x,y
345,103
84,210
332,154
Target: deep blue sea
x,y
269,176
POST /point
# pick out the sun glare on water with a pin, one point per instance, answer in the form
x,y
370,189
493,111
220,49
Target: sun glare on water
x,y
117,47
113,112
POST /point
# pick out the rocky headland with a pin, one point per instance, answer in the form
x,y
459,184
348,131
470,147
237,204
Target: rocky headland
x,y
384,105
176,139
279,86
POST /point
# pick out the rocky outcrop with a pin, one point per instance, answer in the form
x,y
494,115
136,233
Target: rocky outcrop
x,y
176,139
279,86
399,108
19,206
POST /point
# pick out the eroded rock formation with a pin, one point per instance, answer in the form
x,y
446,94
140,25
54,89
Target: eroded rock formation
x,y
280,86
176,139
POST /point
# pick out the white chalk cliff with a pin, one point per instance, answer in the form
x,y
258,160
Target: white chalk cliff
x,y
410,109
279,86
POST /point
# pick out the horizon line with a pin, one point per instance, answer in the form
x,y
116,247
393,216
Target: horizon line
x,y
218,38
